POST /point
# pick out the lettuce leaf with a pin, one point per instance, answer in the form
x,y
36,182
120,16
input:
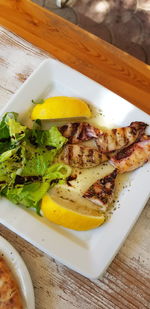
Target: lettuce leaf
x,y
11,132
4,130
4,127
11,164
26,161
58,172
37,160
16,130
10,115
5,145
41,151
51,137
30,194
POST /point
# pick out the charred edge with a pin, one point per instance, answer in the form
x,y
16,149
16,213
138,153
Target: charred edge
x,y
84,133
138,128
75,128
109,178
89,193
139,125
124,153
70,178
81,156
70,153
79,134
126,140
97,196
63,129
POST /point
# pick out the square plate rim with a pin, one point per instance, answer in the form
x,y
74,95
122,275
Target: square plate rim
x,y
90,275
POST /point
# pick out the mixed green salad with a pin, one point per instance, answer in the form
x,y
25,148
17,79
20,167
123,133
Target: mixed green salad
x,y
27,168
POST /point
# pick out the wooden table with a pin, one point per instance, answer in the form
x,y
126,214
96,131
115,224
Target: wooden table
x,y
125,284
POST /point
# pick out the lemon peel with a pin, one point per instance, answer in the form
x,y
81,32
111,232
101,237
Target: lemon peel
x,y
67,217
61,107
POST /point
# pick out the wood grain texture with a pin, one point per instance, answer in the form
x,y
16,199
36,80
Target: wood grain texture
x,y
126,284
83,51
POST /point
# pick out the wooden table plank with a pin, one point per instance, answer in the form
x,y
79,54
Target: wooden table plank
x,y
126,283
83,51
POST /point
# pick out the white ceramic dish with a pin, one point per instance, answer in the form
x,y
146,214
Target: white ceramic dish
x,y
20,272
88,253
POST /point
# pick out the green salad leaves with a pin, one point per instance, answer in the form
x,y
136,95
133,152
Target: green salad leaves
x,y
27,168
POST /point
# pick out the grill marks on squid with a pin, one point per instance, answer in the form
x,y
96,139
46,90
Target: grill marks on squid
x,y
127,148
107,141
81,156
78,132
115,139
102,191
133,156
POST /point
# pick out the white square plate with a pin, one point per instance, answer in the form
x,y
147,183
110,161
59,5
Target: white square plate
x,y
88,253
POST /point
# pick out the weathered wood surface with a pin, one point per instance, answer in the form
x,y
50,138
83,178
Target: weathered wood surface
x,y
81,50
126,284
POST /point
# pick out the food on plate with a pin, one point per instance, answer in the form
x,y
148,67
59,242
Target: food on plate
x,y
61,107
78,132
27,170
112,140
108,140
75,217
34,160
102,191
81,156
133,156
10,296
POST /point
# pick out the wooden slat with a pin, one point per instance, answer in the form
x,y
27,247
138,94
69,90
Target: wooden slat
x,y
57,287
81,50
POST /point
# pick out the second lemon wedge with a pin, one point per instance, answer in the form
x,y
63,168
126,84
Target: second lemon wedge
x,y
67,217
61,107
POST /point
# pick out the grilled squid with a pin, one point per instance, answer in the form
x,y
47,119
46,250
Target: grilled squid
x,y
116,139
102,191
78,132
133,156
81,156
107,141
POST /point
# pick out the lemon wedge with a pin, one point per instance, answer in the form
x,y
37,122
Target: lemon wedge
x,y
67,217
61,108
